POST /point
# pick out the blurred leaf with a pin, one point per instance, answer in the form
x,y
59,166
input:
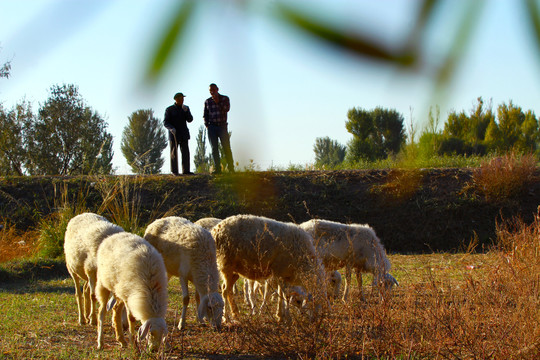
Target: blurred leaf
x,y
468,20
425,13
170,39
355,43
534,17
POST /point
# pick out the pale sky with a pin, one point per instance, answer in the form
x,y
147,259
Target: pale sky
x,y
285,88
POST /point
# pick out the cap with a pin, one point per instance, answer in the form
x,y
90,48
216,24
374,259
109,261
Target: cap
x,y
178,94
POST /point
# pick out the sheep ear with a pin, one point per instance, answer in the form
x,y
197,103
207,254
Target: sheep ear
x,y
201,312
111,303
143,330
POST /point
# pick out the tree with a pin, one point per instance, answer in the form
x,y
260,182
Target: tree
x,y
201,159
12,149
143,141
328,152
376,134
67,137
465,134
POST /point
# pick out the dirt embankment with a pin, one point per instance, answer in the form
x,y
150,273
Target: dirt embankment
x,y
411,211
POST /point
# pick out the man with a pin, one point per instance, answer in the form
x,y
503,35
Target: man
x,y
215,120
176,118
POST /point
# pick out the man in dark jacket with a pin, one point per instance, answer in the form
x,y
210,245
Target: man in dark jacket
x,y
176,118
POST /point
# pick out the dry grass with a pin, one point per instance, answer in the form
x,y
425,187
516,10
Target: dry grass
x,y
505,177
448,306
401,186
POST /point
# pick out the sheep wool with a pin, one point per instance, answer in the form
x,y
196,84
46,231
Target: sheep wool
x,y
189,252
352,246
84,234
258,248
208,222
134,272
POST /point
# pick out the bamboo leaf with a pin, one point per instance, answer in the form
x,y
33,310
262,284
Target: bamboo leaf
x,y
170,40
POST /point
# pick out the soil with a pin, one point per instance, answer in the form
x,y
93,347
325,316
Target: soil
x,y
412,211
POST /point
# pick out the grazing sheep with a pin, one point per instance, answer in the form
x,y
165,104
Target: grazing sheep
x,y
208,223
84,234
351,246
134,272
190,253
259,248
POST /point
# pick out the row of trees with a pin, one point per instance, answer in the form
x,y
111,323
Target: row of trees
x,y
380,133
67,137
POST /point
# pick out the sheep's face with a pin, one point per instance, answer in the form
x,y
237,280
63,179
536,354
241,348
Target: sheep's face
x,y
211,307
155,331
335,283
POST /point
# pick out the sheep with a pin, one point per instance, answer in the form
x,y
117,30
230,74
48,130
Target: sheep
x,y
352,246
84,234
258,248
190,253
133,271
208,222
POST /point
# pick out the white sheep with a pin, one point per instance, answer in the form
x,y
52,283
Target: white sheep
x,y
134,272
259,248
84,234
352,246
208,222
189,252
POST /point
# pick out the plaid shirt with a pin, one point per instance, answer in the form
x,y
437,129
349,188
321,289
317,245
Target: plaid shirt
x,y
216,113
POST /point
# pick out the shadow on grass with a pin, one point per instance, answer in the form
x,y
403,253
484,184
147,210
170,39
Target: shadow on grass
x,y
23,276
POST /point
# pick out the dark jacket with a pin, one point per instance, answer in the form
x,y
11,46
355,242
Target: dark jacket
x,y
177,118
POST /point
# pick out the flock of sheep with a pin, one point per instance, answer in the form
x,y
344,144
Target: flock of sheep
x,y
129,274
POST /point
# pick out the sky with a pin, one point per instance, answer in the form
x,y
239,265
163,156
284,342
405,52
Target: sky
x,y
286,88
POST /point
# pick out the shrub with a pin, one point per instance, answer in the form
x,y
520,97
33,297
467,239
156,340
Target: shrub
x,y
505,177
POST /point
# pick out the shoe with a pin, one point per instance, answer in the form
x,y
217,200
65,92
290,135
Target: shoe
x,y
188,173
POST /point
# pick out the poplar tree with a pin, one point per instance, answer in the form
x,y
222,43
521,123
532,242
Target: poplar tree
x,y
143,141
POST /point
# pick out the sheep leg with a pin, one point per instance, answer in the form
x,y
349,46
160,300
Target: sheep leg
x,y
118,311
266,291
78,297
198,302
92,276
347,283
229,281
87,300
103,296
282,312
360,284
185,303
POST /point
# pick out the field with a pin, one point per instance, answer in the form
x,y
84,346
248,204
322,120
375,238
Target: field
x,y
448,306
464,246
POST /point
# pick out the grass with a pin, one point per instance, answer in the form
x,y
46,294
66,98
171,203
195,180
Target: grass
x,y
447,306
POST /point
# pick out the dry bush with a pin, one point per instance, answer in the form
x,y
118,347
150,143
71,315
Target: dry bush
x,y
505,177
401,185
14,245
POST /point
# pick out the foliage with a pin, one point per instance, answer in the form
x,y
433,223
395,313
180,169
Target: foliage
x,y
503,178
12,144
328,153
377,134
201,160
5,70
517,131
401,186
143,141
67,137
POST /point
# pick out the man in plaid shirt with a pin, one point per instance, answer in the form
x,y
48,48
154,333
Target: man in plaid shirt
x,y
215,120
